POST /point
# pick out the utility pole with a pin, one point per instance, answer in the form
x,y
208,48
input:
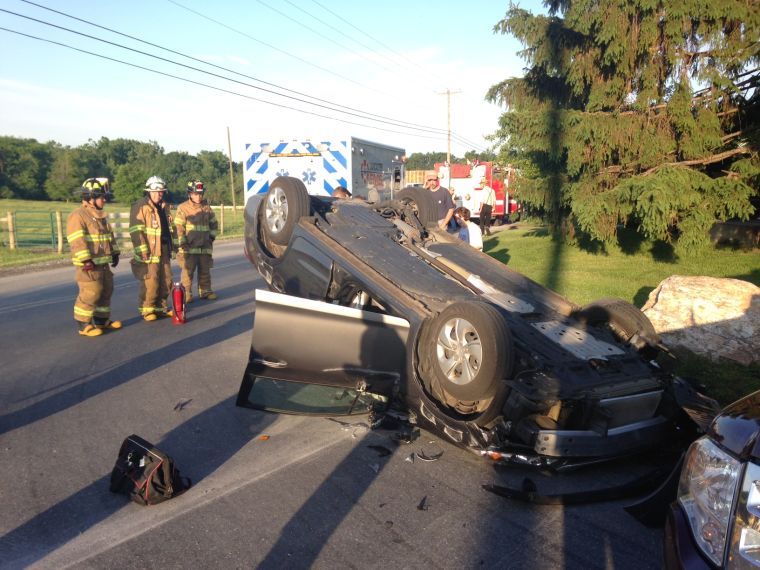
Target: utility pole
x,y
232,178
448,94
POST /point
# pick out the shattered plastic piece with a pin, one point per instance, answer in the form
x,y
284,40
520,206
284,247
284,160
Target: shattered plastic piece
x,y
423,506
431,453
375,467
406,437
410,459
529,493
424,457
381,450
508,458
263,437
182,404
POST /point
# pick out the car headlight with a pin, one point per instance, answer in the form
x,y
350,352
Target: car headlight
x,y
706,493
744,550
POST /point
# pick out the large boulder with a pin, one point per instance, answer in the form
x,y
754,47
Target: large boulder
x,y
709,316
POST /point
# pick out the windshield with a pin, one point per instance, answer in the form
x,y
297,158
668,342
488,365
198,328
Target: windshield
x,y
299,398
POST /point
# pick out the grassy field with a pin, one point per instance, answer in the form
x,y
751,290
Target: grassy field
x,y
631,271
38,233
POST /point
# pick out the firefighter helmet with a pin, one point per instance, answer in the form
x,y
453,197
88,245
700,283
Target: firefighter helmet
x,y
155,183
96,188
195,186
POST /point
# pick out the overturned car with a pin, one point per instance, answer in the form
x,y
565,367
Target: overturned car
x,y
371,307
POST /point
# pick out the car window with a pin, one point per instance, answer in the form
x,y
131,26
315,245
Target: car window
x,y
292,397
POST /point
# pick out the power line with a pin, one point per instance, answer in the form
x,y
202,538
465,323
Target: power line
x,y
328,38
282,51
201,84
176,3
343,34
392,122
390,49
331,107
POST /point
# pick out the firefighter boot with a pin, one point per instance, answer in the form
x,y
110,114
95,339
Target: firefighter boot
x,y
209,295
150,317
87,329
108,324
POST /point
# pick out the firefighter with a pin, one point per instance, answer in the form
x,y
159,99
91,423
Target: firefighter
x,y
154,237
196,231
93,247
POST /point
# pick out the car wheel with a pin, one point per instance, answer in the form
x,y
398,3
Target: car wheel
x,y
422,203
286,202
468,352
624,320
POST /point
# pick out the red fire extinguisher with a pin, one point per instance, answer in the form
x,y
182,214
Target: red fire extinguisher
x,y
178,302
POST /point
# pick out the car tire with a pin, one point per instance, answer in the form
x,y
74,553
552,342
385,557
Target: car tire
x,y
624,319
286,202
468,352
422,203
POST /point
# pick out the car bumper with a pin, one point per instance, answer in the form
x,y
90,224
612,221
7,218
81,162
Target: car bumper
x,y
679,548
587,443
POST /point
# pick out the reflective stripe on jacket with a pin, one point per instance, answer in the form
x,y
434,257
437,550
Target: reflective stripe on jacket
x,y
145,230
196,227
90,236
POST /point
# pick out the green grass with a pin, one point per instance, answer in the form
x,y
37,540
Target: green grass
x,y
32,216
630,271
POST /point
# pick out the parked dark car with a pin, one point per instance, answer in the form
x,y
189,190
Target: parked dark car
x,y
715,521
371,305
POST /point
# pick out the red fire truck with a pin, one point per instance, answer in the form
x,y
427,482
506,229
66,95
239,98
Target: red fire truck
x,y
465,181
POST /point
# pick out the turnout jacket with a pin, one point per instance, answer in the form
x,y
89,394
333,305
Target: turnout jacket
x,y
90,236
196,227
145,230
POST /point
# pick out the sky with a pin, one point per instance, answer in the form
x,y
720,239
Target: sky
x,y
269,70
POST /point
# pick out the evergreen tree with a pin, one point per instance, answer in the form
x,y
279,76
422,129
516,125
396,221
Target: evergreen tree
x,y
635,111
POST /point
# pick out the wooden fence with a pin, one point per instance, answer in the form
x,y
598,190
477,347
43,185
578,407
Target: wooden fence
x,y
42,230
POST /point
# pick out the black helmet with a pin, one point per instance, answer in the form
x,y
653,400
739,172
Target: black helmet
x,y
96,188
195,186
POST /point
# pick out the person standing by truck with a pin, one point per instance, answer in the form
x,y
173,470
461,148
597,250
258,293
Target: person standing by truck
x,y
196,232
442,198
93,247
486,207
154,239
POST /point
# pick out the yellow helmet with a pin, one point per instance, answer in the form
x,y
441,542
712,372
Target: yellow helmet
x,y
96,188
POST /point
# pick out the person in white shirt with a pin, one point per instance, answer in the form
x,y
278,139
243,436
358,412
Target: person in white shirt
x,y
489,199
468,231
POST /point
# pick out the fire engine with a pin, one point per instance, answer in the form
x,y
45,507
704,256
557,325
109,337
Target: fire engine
x,y
464,180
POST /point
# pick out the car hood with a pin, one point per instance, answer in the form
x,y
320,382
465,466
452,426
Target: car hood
x,y
737,428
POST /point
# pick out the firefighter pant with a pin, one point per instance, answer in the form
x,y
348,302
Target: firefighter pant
x,y
95,289
200,262
485,219
155,282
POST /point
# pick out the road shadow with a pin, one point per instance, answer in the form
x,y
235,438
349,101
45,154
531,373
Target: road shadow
x,y
381,354
89,386
200,446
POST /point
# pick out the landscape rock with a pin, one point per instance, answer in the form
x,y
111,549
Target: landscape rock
x,y
709,316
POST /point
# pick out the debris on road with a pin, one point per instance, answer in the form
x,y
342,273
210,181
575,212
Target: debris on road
x,y
182,404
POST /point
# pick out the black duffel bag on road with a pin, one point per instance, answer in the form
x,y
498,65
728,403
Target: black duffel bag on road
x,y
146,474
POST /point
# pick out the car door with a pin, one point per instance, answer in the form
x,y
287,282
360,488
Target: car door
x,y
314,357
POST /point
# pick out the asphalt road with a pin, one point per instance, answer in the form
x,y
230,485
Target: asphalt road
x,y
313,494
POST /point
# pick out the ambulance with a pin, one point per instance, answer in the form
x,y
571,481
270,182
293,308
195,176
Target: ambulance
x,y
367,169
